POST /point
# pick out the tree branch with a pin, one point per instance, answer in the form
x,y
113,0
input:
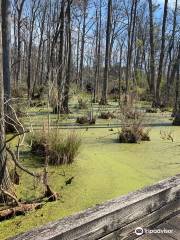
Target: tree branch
x,y
16,135
20,166
9,195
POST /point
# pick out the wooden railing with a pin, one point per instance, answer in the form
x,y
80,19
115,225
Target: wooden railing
x,y
118,218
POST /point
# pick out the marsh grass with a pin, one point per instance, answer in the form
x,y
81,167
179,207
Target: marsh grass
x,y
107,115
85,120
59,148
133,130
133,134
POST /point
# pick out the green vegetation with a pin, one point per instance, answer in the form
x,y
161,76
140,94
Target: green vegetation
x,y
59,148
82,103
106,115
104,169
133,134
79,81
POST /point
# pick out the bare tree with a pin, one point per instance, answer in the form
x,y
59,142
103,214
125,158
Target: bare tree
x,y
84,6
163,39
176,110
170,77
61,56
34,9
107,54
5,182
40,47
152,57
69,55
6,43
131,33
19,4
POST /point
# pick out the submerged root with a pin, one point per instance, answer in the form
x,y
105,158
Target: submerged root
x,y
52,196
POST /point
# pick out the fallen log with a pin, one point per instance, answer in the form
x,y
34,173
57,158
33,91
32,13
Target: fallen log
x,y
22,209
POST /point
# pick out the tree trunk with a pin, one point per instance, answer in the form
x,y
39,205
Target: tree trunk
x,y
131,31
5,182
6,43
77,55
171,47
95,87
19,8
61,57
83,44
152,58
40,51
29,60
176,110
107,55
120,73
157,102
99,52
68,68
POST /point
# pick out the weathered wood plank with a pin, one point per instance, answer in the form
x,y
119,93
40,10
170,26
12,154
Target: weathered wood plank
x,y
104,219
157,237
152,219
175,222
175,233
150,237
170,224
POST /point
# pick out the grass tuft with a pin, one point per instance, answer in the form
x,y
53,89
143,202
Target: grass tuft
x,y
132,130
107,115
59,148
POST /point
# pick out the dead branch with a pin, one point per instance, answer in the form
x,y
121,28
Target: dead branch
x,y
9,195
19,165
10,123
16,135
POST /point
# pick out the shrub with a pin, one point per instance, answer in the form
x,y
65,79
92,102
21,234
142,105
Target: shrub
x,y
133,134
166,109
60,149
132,130
129,112
132,115
38,104
85,120
63,150
176,121
89,87
127,135
19,92
151,110
38,92
144,95
53,100
82,103
106,115
145,135
114,90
